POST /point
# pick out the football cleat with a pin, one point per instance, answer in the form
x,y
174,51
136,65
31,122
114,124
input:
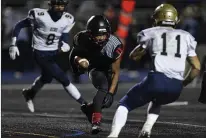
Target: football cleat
x,y
144,134
29,99
96,128
87,110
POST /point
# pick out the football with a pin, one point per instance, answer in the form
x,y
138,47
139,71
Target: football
x,y
82,62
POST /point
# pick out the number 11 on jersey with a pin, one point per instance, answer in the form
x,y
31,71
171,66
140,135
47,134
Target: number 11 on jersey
x,y
164,52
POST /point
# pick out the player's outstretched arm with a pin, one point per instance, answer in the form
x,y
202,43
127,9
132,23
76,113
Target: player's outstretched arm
x,y
137,52
195,64
13,50
108,100
115,77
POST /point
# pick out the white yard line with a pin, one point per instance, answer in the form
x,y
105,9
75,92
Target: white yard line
x,y
75,115
178,103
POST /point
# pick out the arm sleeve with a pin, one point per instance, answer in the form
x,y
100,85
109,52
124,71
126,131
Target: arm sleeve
x,y
21,24
65,38
192,46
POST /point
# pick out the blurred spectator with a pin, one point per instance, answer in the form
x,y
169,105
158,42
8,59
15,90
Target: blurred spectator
x,y
85,11
189,20
112,17
193,20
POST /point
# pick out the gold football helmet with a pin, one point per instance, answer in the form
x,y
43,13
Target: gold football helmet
x,y
165,14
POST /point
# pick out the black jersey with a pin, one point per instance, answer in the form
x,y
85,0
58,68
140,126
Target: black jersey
x,y
98,57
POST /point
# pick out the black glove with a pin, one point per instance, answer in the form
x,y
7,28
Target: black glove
x,y
108,100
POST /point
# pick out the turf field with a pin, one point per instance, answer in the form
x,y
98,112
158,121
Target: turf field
x,y
58,116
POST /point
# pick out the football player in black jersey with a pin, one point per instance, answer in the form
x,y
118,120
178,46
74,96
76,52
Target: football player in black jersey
x,y
98,52
202,97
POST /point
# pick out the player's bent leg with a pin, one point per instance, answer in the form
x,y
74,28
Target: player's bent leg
x,y
202,97
57,73
137,96
119,121
100,82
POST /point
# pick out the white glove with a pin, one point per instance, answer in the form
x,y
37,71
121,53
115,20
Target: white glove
x,y
65,47
13,51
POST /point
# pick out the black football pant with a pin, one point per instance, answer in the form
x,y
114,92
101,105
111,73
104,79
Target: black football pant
x,y
101,80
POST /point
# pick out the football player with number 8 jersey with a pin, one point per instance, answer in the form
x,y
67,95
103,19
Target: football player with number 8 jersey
x,y
50,36
169,49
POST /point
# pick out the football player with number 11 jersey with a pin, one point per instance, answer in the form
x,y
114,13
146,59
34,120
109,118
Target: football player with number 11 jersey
x,y
50,36
169,49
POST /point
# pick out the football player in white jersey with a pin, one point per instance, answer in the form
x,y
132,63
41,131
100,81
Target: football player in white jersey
x,y
169,49
50,36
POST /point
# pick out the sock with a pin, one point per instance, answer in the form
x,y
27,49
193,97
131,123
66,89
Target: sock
x,y
151,119
81,101
152,116
153,108
74,92
119,121
96,118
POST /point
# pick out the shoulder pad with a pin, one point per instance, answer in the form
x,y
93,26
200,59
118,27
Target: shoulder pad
x,y
39,12
145,31
69,16
77,38
184,32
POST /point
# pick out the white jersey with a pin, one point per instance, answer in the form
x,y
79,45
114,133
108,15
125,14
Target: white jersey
x,y
46,32
169,48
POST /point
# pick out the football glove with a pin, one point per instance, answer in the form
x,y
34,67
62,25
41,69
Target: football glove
x,y
108,100
65,47
13,51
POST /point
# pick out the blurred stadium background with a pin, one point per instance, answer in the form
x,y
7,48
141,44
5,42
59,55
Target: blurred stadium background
x,y
127,19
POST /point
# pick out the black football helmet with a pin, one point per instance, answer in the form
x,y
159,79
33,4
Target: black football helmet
x,y
52,3
99,29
